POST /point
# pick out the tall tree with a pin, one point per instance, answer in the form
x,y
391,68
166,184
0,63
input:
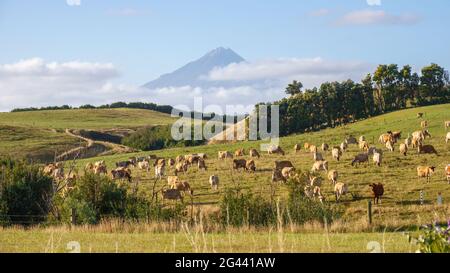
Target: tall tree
x,y
294,88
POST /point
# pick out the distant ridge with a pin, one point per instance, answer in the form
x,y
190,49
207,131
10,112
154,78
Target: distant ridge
x,y
191,73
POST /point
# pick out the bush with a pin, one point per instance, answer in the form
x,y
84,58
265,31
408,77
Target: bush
x,y
156,138
433,239
25,193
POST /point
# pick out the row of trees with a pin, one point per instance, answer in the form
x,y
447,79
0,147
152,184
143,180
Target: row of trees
x,y
389,88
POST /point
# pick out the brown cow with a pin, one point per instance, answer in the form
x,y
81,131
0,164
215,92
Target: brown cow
x,y
426,149
250,166
239,164
378,191
202,164
254,153
275,150
279,165
239,152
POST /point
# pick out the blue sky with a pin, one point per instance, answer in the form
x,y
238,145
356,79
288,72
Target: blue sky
x,y
143,39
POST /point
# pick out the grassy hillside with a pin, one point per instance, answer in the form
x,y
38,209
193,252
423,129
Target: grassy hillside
x,y
39,134
85,118
400,206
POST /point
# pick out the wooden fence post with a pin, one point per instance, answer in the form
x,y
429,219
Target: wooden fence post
x,y
369,212
73,217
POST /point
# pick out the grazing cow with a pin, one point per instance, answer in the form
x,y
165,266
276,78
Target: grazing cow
x,y
426,149
277,176
171,180
317,156
201,164
351,140
447,137
121,173
361,158
254,153
447,172
159,171
297,148
239,152
313,149
336,153
100,169
179,158
396,136
239,164
313,192
125,164
171,162
275,150
214,182
89,167
373,150
361,139
224,155
325,147
181,167
279,165
192,159
320,165
424,124
415,142
425,171
333,176
287,172
343,146
420,115
202,156
377,158
339,190
447,124
384,138
403,149
408,141
306,146
250,166
378,191
363,145
421,135
172,194
183,186
390,146
144,165
315,181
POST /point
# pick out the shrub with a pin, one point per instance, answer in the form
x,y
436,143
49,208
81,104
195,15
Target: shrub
x,y
432,239
25,193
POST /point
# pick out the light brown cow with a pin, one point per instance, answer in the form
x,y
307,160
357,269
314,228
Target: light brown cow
x,y
447,124
288,172
239,152
340,189
313,149
447,172
320,165
144,165
403,149
224,155
183,186
424,124
390,146
297,148
364,145
181,167
250,166
377,158
425,171
336,153
214,182
333,176
306,146
447,137
275,150
171,180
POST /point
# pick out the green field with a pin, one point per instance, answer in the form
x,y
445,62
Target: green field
x,y
400,207
85,119
38,135
57,240
399,211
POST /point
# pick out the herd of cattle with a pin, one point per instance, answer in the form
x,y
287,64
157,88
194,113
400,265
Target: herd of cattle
x,y
283,170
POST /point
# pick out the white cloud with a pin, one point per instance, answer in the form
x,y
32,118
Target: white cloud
x,y
374,2
73,2
377,17
311,72
35,83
